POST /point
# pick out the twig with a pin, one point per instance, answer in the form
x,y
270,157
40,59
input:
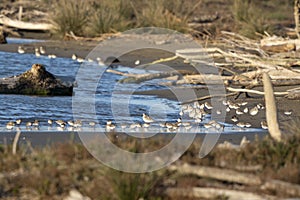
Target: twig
x,y
254,91
15,142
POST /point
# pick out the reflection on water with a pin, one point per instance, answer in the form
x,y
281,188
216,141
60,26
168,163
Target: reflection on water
x,y
21,40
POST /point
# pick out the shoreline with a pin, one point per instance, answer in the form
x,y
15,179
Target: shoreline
x,y
83,48
42,139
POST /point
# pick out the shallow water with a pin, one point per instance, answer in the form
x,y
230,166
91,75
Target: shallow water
x,y
109,97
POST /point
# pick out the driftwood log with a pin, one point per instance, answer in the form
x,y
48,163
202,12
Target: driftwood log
x,y
2,37
36,81
213,193
218,174
271,109
24,25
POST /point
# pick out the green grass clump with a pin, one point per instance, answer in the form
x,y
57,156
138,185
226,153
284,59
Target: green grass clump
x,y
249,18
92,18
110,17
70,16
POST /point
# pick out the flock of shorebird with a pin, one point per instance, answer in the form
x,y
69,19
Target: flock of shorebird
x,y
197,116
196,112
39,51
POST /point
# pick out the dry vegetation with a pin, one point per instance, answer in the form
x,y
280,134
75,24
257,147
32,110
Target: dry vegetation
x,y
199,17
52,172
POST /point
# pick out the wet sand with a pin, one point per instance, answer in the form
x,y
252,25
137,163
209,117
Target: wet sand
x,y
42,139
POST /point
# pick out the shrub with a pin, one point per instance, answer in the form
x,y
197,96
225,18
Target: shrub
x,y
70,16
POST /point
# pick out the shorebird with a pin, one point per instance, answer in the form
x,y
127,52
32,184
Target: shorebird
x,y
74,57
147,119
135,125
181,113
35,123
208,105
218,112
10,125
246,110
77,123
241,124
110,126
169,125
60,123
219,126
123,126
288,112
21,50
50,122
18,121
90,60
42,50
137,62
80,60
37,52
146,125
234,118
51,56
224,102
243,103
264,124
207,125
28,124
253,111
260,106
71,123
248,125
233,105
92,124
244,124
239,112
227,109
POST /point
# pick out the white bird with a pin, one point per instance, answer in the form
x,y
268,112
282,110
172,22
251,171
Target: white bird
x,y
74,57
51,56
61,123
264,125
137,62
10,125
42,50
253,111
289,112
147,119
208,105
37,53
80,60
21,50
110,126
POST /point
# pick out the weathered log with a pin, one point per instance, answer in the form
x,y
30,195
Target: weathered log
x,y
293,94
218,174
146,77
282,187
213,193
25,25
36,81
3,36
271,109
